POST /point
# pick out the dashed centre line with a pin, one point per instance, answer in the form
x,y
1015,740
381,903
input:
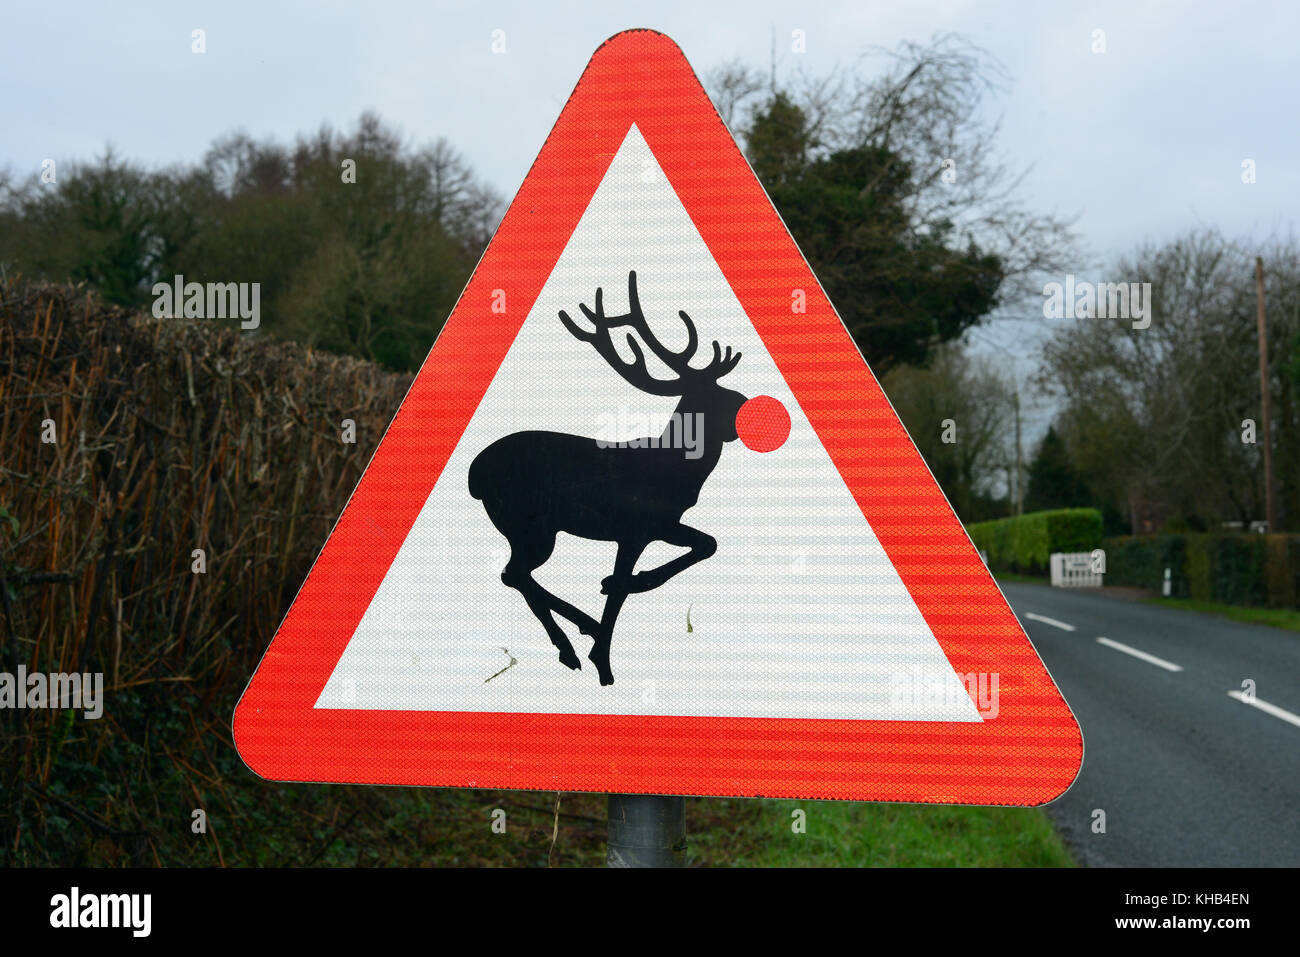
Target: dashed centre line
x,y
1142,655
1267,708
1049,621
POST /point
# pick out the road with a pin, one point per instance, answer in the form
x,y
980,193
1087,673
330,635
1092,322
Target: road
x,y
1187,774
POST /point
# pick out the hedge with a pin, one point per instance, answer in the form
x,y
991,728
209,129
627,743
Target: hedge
x,y
170,435
1025,542
1235,569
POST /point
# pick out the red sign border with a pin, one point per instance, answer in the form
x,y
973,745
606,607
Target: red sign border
x,y
1027,755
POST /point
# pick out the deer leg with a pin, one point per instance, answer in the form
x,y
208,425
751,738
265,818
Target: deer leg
x,y
586,624
701,545
624,562
518,574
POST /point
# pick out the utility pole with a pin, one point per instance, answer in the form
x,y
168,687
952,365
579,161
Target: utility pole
x,y
1020,471
1266,431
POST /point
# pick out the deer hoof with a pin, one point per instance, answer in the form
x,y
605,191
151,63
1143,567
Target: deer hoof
x,y
569,659
602,668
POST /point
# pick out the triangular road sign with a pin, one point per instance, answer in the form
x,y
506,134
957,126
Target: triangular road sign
x,y
645,445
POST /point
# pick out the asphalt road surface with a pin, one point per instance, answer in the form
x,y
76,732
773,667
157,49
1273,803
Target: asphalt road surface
x,y
1186,773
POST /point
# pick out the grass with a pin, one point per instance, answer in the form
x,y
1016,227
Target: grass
x,y
842,834
260,823
1288,618
747,833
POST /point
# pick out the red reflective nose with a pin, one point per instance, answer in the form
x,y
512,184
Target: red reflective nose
x,y
763,423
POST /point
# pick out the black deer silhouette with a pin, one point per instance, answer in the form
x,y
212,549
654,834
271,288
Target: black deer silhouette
x,y
536,484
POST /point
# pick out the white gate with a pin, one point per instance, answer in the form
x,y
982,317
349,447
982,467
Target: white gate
x,y
1074,570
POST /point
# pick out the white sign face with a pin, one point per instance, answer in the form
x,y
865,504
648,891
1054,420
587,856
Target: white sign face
x,y
798,614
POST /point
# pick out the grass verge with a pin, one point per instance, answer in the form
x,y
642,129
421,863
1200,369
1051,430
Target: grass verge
x,y
1288,618
751,833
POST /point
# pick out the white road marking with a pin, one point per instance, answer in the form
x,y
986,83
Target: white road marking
x,y
1267,708
1049,621
1158,662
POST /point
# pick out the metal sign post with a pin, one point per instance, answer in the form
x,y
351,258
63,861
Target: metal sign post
x,y
646,830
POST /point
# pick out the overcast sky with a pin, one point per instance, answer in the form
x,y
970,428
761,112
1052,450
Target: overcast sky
x,y
1142,142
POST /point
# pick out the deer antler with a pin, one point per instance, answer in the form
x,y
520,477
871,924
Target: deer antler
x,y
676,361
636,372
719,365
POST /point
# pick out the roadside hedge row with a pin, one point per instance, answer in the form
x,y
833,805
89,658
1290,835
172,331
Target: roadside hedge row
x,y
1235,569
1024,543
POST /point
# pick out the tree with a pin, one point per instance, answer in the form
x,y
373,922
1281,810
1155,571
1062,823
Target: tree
x,y
369,266
960,413
1158,419
1282,295
1053,481
893,189
899,292
96,223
